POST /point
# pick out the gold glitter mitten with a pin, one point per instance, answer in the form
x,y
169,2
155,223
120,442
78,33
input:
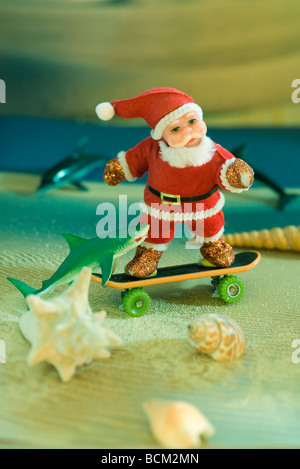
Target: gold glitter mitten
x,y
113,173
239,174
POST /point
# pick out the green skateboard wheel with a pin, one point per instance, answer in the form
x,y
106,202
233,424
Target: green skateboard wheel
x,y
231,289
136,302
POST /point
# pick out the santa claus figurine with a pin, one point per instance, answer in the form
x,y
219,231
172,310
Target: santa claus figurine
x,y
185,171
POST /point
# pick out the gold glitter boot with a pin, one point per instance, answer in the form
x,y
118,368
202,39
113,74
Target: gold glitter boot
x,y
144,262
217,253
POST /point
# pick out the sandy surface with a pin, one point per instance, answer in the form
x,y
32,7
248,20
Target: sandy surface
x,y
252,402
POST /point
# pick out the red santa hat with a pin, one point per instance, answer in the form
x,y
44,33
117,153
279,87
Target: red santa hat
x,y
158,107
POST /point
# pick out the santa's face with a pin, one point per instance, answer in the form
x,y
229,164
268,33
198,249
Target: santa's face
x,y
186,131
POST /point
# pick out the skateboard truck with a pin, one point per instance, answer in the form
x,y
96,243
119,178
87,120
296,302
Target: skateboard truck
x,y
215,281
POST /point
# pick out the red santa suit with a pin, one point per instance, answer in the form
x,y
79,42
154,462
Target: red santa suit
x,y
182,173
177,172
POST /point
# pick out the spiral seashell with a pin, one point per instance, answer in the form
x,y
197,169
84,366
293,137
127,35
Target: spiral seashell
x,y
177,424
287,238
217,336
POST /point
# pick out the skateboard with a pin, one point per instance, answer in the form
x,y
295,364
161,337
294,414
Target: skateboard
x,y
136,301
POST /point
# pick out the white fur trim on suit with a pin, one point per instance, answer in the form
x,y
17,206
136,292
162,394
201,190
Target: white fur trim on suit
x,y
199,240
186,157
157,247
182,216
224,178
123,162
157,132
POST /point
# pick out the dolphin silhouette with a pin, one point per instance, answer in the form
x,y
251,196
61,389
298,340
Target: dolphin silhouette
x,y
284,198
71,170
91,253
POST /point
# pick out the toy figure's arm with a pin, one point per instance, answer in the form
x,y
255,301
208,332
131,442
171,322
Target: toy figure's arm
x,y
128,166
234,175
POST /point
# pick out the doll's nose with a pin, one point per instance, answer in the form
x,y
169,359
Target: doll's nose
x,y
187,130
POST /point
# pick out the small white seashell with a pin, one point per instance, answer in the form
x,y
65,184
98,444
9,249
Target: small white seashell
x,y
217,336
63,331
177,424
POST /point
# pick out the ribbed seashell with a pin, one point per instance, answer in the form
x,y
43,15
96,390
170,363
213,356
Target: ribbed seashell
x,y
217,336
287,238
177,424
64,331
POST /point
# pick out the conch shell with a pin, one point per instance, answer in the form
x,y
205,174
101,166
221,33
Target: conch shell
x,y
217,336
177,424
285,239
64,332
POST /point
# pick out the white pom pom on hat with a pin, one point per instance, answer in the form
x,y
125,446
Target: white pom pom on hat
x,y
105,111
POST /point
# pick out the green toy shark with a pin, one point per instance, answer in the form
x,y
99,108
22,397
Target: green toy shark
x,y
91,253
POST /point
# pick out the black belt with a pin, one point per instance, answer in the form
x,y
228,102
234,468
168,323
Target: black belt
x,y
176,199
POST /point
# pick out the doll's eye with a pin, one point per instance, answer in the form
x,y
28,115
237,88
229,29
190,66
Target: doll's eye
x,y
192,121
175,129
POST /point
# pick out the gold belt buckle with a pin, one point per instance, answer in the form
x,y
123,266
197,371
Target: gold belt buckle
x,y
177,197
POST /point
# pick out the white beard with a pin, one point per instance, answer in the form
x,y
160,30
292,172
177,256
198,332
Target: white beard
x,y
184,157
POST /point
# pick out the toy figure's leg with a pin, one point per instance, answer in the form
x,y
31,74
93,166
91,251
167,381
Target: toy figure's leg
x,y
144,263
217,253
148,254
214,249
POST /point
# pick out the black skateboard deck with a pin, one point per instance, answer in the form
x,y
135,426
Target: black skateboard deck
x,y
243,262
